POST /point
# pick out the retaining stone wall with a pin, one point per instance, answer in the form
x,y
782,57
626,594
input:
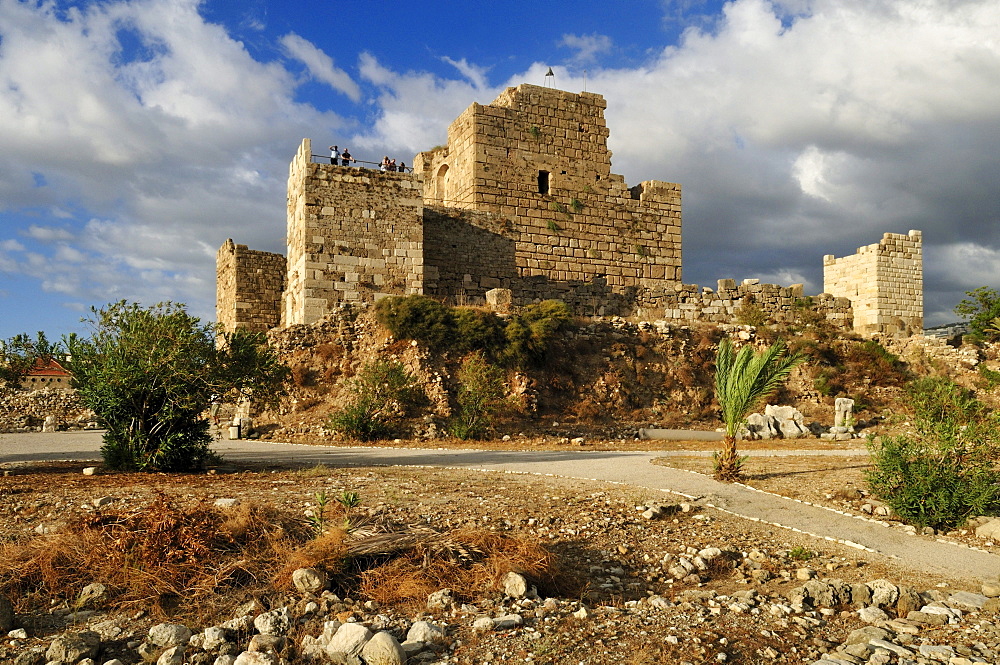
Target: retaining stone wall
x,y
25,410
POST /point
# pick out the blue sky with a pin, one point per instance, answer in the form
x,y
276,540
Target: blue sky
x,y
136,136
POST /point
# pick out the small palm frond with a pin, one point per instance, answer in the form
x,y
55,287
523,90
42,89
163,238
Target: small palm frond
x,y
743,379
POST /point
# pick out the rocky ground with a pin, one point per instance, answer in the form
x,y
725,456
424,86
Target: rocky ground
x,y
645,580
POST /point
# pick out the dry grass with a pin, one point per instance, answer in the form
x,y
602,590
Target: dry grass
x,y
469,562
164,557
152,557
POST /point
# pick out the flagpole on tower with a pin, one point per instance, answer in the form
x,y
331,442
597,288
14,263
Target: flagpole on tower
x,y
550,79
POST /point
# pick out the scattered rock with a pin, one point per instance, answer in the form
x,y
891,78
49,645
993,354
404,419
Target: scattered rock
x,y
349,639
92,595
275,622
169,634
515,585
440,600
383,649
309,580
73,646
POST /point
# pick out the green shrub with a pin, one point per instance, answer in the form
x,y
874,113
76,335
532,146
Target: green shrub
x,y
531,333
981,309
478,330
751,313
947,471
149,373
383,391
480,396
417,317
522,341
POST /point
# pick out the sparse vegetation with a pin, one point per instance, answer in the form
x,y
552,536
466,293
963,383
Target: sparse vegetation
x,y
480,396
383,391
173,543
751,313
551,225
947,469
560,208
201,560
800,553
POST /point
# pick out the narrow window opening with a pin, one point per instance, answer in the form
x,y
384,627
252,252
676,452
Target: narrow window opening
x,y
543,182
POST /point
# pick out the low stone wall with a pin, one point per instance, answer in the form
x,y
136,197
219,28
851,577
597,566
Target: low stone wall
x,y
26,410
730,303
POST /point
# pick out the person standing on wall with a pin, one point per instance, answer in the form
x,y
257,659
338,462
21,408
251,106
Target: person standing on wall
x,y
334,154
345,157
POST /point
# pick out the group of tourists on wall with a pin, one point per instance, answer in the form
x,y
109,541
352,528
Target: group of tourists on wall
x,y
390,165
343,158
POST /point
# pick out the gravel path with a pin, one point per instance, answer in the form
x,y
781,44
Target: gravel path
x,y
628,468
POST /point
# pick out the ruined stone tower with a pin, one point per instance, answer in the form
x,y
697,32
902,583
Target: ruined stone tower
x,y
884,282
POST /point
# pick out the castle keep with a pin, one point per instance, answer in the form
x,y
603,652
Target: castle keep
x,y
521,198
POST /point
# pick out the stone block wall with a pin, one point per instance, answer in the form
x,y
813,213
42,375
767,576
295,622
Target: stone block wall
x,y
539,157
467,253
884,282
249,284
352,233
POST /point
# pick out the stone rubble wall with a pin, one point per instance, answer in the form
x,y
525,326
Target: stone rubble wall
x,y
352,233
780,304
884,282
249,286
26,410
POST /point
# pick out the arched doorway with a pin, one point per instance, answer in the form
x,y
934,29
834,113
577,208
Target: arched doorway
x,y
441,184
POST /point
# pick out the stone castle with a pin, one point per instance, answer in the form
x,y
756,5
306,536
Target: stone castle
x,y
521,205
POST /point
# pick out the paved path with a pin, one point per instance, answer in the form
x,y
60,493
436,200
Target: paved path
x,y
630,468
